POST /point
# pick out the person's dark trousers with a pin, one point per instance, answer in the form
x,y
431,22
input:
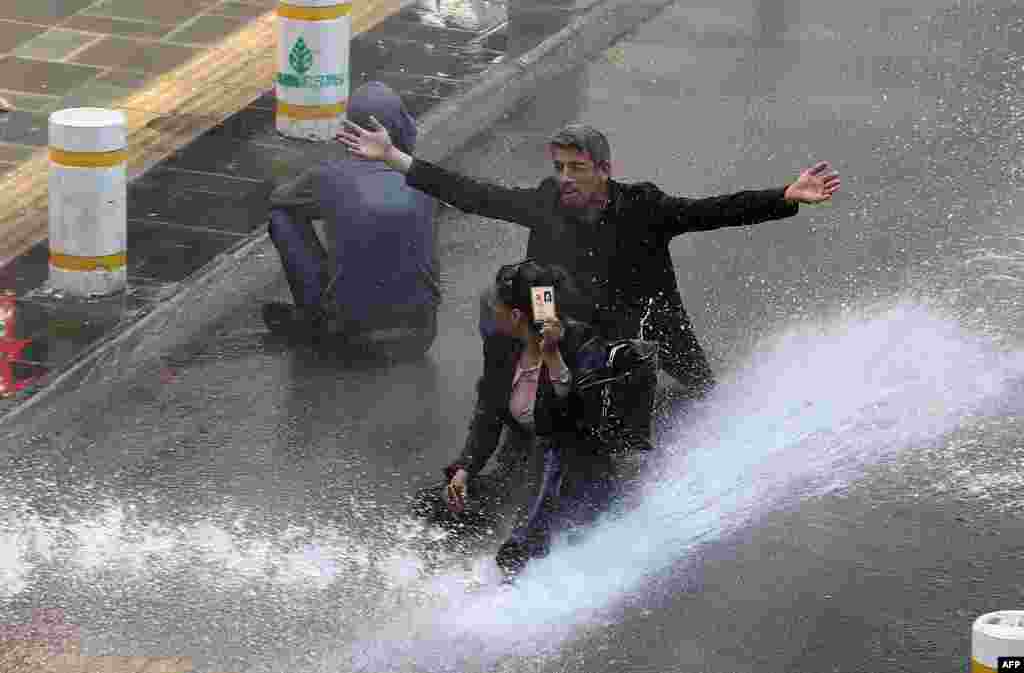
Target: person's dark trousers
x,y
302,256
633,400
575,490
681,354
293,208
532,539
306,267
681,357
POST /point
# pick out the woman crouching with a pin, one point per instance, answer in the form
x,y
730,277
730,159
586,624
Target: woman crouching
x,y
527,387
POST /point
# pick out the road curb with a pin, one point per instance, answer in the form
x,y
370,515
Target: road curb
x,y
453,123
227,281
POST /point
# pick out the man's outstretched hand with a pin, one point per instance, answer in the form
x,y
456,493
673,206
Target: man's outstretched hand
x,y
816,184
373,144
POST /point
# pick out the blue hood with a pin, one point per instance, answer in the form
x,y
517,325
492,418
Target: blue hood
x,y
382,231
380,100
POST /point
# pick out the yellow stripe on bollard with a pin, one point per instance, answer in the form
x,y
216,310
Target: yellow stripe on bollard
x,y
314,13
996,635
310,111
78,263
88,159
978,667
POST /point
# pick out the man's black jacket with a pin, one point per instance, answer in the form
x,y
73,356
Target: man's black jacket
x,y
553,415
620,262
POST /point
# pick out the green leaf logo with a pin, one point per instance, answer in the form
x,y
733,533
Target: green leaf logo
x,y
300,57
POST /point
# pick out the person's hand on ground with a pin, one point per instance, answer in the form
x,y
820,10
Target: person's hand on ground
x,y
456,491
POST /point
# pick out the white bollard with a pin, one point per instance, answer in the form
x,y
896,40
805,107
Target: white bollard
x,y
995,635
88,201
312,83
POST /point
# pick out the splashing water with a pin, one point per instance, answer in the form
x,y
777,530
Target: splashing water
x,y
214,553
816,405
803,418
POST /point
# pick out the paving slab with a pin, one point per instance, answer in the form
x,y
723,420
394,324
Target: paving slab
x,y
205,198
197,62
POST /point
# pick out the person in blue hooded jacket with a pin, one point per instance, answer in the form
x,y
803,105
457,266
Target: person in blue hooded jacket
x,y
377,283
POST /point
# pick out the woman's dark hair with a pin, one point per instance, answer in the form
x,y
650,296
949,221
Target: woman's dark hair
x,y
514,281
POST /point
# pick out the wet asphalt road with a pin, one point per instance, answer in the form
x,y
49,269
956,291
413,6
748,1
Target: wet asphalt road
x,y
225,502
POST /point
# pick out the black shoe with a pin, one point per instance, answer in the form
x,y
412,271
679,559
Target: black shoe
x,y
522,546
295,322
512,558
634,442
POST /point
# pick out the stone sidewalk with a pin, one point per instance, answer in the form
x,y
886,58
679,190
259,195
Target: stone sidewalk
x,y
170,91
205,204
83,52
73,53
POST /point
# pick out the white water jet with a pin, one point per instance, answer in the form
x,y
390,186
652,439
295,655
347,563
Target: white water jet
x,y
815,406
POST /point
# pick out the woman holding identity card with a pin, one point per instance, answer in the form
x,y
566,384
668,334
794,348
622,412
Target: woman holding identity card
x,y
528,386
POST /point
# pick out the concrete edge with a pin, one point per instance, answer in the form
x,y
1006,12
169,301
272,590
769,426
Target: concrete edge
x,y
443,132
455,122
169,323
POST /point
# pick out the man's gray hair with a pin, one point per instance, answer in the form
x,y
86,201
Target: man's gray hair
x,y
584,138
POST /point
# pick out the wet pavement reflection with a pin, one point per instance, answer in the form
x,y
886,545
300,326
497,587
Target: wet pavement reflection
x,y
206,198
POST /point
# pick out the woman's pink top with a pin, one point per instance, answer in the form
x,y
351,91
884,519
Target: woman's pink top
x,y
524,391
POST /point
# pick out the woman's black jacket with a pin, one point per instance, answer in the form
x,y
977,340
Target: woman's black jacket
x,y
553,416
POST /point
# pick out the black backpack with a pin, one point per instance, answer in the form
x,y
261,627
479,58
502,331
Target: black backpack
x,y
615,388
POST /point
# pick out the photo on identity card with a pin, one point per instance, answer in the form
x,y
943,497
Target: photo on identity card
x,y
543,303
